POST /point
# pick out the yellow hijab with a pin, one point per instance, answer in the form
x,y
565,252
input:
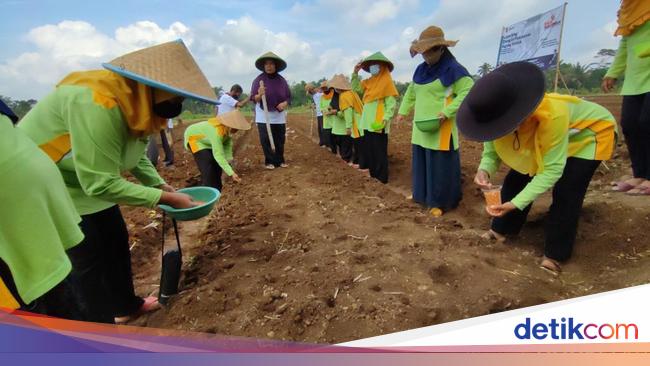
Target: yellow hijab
x,y
632,14
222,130
328,95
379,86
134,99
350,99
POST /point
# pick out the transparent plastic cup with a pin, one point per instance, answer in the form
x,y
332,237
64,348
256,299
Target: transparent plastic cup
x,y
492,196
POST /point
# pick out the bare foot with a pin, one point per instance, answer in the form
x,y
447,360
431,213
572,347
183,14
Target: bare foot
x,y
493,235
551,265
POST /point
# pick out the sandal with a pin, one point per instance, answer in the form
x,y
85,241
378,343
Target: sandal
x,y
639,191
623,187
149,305
550,264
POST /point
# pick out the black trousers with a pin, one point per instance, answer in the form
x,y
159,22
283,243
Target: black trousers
x,y
562,220
58,302
377,153
152,149
362,152
635,120
329,140
209,168
101,268
344,145
279,137
321,135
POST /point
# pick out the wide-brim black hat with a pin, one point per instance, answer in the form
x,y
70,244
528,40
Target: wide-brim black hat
x,y
500,101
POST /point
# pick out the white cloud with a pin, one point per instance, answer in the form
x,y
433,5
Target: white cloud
x,y
75,45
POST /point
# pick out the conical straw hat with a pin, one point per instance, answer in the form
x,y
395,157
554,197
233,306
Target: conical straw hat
x,y
169,67
234,119
339,81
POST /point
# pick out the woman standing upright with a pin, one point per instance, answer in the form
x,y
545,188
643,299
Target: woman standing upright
x,y
633,61
278,96
379,94
439,86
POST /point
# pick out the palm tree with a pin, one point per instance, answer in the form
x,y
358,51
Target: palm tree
x,y
484,69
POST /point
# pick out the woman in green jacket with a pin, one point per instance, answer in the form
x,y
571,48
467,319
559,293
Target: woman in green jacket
x,y
633,61
96,125
439,86
211,145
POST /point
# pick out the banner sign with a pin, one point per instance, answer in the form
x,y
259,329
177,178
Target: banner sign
x,y
535,40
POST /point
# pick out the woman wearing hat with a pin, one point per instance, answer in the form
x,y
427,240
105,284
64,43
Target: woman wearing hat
x,y
39,222
379,102
211,145
350,108
278,97
341,130
439,86
95,125
548,141
324,106
633,61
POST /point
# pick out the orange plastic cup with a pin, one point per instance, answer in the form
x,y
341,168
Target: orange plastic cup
x,y
492,196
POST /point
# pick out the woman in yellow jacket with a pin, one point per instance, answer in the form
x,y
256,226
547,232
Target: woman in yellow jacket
x,y
548,141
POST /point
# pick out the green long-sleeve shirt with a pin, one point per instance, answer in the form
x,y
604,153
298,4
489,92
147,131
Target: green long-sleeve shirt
x,y
429,100
628,62
205,136
370,109
38,218
92,147
576,128
327,119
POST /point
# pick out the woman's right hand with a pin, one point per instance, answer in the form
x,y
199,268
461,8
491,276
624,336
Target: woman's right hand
x,y
482,179
177,200
261,91
608,84
357,67
235,178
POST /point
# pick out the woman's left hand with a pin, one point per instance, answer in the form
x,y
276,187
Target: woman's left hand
x,y
282,106
442,117
167,188
500,210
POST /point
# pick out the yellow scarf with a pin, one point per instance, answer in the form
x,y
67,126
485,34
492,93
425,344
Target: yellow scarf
x,y
222,130
328,95
350,99
134,99
632,14
524,149
378,87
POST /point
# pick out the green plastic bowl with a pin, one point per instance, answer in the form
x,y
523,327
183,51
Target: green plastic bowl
x,y
208,195
428,125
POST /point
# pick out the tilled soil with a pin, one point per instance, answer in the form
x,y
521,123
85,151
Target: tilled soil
x,y
318,252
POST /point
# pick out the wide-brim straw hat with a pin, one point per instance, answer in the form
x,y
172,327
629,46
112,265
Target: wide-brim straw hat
x,y
430,37
234,119
324,85
374,58
169,67
339,81
500,101
280,64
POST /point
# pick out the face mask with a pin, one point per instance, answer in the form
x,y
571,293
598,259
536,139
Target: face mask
x,y
235,96
374,69
432,57
167,109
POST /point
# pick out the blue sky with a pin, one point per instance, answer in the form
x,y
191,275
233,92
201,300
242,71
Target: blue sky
x,y
44,40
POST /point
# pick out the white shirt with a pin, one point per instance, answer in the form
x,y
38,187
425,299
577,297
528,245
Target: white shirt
x,y
228,103
275,117
316,98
